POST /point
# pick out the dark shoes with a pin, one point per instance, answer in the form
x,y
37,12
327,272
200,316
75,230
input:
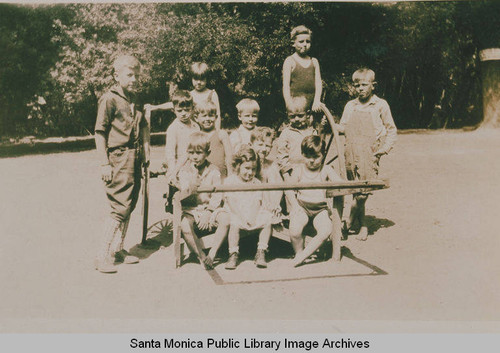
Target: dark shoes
x,y
260,259
124,257
232,262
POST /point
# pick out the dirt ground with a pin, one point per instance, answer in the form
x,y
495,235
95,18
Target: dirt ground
x,y
434,234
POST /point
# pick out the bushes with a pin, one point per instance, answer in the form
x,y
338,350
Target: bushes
x,y
424,54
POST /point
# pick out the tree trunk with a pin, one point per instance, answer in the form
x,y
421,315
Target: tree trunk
x,y
490,75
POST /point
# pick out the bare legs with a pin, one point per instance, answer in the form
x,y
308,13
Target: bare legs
x,y
323,226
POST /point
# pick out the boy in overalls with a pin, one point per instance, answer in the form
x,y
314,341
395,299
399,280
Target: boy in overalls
x,y
370,133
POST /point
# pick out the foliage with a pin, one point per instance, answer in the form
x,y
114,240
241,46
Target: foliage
x,y
425,55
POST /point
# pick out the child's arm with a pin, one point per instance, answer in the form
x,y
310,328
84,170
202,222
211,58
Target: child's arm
x,y
390,127
101,145
145,134
331,174
163,106
316,106
215,100
148,108
227,149
170,148
216,197
346,114
103,122
287,72
272,199
283,153
291,195
214,202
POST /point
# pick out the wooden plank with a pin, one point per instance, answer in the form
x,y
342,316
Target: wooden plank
x,y
177,228
336,137
350,184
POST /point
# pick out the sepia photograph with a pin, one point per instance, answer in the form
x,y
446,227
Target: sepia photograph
x,y
250,167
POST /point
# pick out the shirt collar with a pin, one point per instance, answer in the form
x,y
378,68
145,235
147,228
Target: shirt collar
x,y
117,89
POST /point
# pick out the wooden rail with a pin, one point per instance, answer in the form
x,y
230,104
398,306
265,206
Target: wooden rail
x,y
333,189
354,184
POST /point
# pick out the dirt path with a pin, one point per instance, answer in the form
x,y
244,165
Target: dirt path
x,y
435,234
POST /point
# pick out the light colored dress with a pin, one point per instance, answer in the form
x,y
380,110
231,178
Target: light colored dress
x,y
246,208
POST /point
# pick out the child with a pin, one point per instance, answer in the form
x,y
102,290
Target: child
x,y
248,114
200,93
178,131
261,142
289,142
301,73
246,208
311,204
220,147
120,132
370,133
201,212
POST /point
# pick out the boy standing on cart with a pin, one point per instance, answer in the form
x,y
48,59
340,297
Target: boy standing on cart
x,y
122,142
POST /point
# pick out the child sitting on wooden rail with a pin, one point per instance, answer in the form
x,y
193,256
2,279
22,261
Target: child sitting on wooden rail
x,y
247,209
201,212
307,204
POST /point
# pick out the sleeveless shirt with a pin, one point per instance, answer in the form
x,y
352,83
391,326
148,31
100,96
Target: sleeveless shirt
x,y
302,82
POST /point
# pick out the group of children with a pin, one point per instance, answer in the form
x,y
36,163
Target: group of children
x,y
199,153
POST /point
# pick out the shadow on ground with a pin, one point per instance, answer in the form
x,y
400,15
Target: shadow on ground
x,y
159,236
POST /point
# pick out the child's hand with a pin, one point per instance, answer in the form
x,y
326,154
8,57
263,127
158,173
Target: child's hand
x,y
316,107
147,111
204,221
106,173
147,154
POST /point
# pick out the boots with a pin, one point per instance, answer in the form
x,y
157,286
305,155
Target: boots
x,y
105,260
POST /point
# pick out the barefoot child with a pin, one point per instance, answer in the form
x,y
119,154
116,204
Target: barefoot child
x,y
248,114
120,130
246,208
220,147
311,204
201,213
301,73
370,133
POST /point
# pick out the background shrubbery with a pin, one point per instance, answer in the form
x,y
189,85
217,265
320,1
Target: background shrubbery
x,y
425,56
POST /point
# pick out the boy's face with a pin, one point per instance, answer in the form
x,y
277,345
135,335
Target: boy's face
x,y
364,88
197,157
206,120
262,148
247,170
183,113
299,119
248,118
302,44
313,162
127,79
199,84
